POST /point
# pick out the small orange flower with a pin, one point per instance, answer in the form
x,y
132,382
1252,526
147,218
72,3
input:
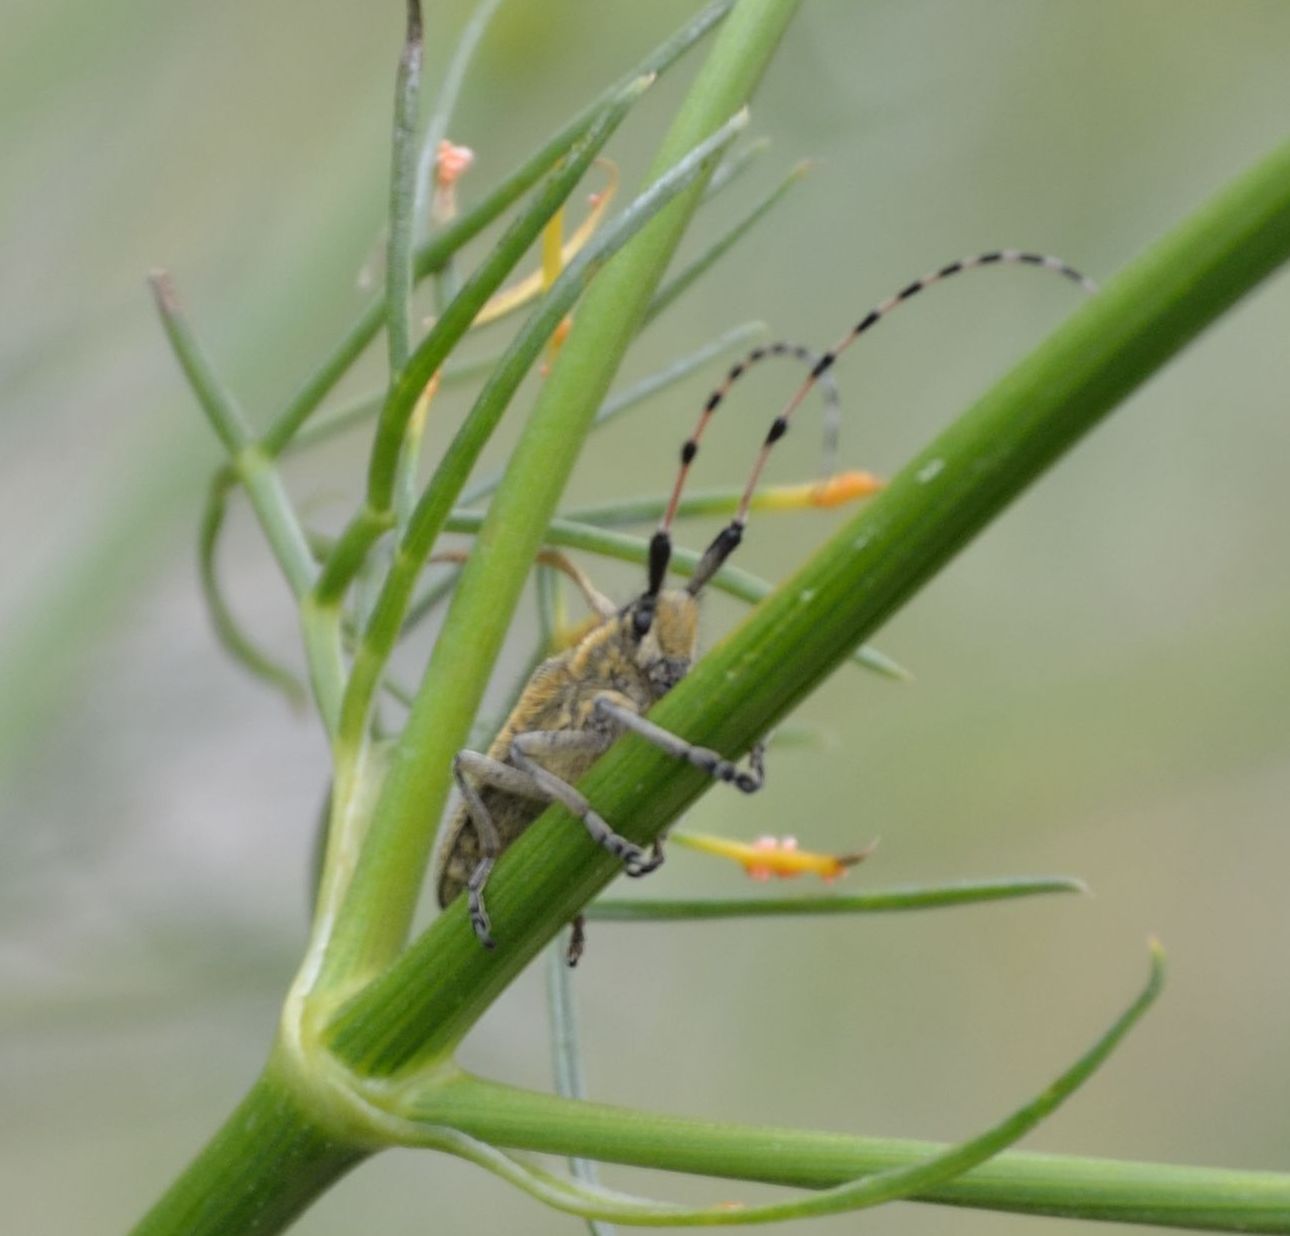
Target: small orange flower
x,y
846,487
774,856
832,491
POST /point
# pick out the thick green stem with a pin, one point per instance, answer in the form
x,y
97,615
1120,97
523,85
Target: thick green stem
x,y
267,1163
935,506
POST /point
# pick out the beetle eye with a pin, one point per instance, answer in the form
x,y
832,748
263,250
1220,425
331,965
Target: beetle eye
x,y
642,620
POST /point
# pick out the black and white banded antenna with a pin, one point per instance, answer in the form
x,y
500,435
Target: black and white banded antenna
x,y
829,397
727,540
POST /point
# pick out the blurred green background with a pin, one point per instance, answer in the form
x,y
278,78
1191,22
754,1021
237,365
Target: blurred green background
x,y
1102,680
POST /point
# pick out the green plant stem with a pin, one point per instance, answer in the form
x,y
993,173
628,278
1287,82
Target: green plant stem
x,y
638,392
267,1163
693,506
431,996
345,711
445,103
461,313
216,400
432,256
364,409
566,1056
896,1182
652,384
403,170
227,629
881,901
374,517
253,467
735,165
1067,1186
686,278
374,921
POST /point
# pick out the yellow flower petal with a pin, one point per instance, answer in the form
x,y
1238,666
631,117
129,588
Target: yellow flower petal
x,y
773,856
834,491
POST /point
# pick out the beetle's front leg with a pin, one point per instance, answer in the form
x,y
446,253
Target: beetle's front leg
x,y
712,762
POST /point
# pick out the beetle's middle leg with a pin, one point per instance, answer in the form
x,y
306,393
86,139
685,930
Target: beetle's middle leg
x,y
527,752
712,762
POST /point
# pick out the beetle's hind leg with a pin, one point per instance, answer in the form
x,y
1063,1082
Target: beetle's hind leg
x,y
467,768
712,762
577,941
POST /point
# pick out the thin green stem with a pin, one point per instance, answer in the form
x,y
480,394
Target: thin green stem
x,y
734,165
655,383
698,505
215,399
284,427
407,481
268,496
1066,1186
252,466
881,901
374,517
638,392
351,416
894,1183
365,408
403,171
692,273
445,103
227,629
566,1056
432,256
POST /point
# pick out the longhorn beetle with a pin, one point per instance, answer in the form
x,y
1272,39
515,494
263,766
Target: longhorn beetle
x,y
577,703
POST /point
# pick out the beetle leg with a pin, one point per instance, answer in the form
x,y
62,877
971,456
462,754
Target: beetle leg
x,y
527,778
468,765
527,751
712,762
577,940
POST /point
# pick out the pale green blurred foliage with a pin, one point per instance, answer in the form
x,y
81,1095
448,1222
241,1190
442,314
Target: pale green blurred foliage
x,y
1102,682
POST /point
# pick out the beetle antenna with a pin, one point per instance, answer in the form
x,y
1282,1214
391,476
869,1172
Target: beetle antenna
x,y
727,540
661,544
